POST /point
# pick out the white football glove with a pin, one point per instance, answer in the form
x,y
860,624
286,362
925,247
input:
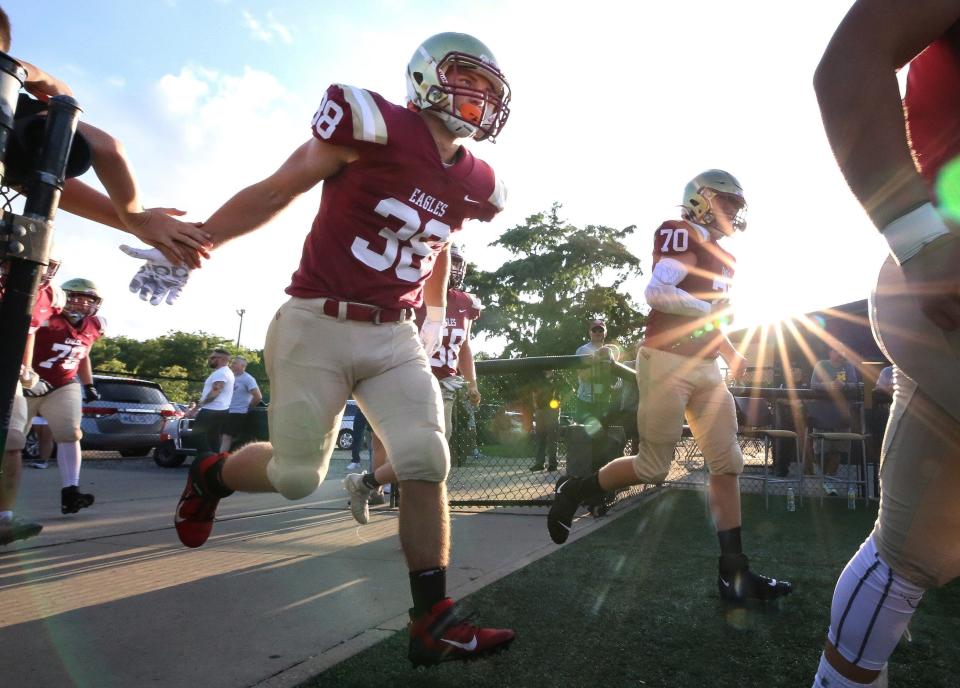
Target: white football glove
x,y
452,383
431,333
158,278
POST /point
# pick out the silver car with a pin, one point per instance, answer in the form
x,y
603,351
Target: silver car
x,y
127,418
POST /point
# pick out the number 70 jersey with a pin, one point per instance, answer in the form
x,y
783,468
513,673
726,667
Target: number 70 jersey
x,y
384,217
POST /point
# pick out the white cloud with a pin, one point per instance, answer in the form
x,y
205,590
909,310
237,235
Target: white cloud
x,y
268,29
117,81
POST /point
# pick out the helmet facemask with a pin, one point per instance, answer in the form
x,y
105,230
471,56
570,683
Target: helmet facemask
x,y
725,212
458,270
80,305
433,86
50,271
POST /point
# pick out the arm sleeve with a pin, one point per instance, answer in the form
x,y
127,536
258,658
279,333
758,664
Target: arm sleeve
x,y
663,294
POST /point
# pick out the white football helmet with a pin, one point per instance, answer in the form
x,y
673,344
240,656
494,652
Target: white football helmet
x,y
715,199
458,268
432,85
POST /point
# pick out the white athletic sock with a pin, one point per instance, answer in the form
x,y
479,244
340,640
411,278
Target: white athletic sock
x,y
828,677
872,605
68,461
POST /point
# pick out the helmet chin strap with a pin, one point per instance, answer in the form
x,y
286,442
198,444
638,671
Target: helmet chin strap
x,y
74,317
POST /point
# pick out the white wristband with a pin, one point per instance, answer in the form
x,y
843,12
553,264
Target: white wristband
x,y
436,313
911,232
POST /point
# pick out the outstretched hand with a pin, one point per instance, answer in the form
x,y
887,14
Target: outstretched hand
x,y
158,279
181,243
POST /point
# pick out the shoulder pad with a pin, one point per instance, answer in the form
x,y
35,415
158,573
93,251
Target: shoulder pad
x,y
58,298
349,115
475,301
100,322
498,199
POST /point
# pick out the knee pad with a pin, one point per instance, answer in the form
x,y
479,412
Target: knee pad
x,y
293,482
872,606
428,458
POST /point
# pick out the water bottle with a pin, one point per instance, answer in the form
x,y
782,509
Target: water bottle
x,y
851,497
791,500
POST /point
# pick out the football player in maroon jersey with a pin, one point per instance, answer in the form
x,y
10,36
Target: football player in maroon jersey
x,y
396,184
900,159
678,375
50,300
452,364
61,357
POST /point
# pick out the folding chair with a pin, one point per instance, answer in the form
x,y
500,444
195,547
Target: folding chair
x,y
851,479
757,422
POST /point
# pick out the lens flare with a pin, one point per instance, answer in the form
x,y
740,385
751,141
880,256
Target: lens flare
x,y
948,189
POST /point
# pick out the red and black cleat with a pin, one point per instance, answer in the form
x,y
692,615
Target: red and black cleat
x,y
442,636
197,508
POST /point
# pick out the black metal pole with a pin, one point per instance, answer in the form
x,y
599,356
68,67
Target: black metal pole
x,y
29,245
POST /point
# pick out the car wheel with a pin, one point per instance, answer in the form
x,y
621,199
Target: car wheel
x,y
166,456
130,453
345,439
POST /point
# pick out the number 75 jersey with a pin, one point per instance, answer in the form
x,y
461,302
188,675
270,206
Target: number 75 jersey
x,y
59,347
384,217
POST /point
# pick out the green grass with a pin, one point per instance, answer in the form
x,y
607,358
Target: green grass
x,y
635,604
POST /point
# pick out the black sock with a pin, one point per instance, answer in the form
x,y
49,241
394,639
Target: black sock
x,y
370,481
589,488
428,586
730,541
213,480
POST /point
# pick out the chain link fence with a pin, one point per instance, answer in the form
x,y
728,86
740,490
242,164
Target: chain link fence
x,y
529,429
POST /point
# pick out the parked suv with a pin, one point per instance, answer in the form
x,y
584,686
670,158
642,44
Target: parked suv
x,y
127,418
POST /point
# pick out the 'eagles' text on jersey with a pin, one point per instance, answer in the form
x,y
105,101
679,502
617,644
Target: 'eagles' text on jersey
x,y
708,281
59,347
461,308
384,217
932,103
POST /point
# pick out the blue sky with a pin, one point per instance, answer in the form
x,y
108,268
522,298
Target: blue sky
x,y
616,105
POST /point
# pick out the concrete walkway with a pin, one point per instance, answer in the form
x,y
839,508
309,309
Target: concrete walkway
x,y
108,597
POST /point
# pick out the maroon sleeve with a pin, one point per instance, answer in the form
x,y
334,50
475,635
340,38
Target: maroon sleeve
x,y
337,122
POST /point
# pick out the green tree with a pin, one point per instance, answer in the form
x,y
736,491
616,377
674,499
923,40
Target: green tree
x,y
560,278
181,356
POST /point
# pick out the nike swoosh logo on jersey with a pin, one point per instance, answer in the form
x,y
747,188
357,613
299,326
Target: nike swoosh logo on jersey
x,y
469,200
466,647
725,583
463,310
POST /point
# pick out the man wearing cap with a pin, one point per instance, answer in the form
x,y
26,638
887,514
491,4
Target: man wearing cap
x,y
588,393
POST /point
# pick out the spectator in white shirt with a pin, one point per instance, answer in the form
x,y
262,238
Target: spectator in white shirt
x,y
246,395
214,402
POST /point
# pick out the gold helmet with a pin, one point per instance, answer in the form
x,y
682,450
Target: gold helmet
x,y
715,199
432,85
83,298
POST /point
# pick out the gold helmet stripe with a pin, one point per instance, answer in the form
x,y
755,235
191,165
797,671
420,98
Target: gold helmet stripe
x,y
368,124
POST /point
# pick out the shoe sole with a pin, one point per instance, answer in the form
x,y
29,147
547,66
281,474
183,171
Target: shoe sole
x,y
453,657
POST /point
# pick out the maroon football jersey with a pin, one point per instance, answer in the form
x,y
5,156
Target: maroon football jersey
x,y
384,218
709,281
461,308
933,103
59,347
50,301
